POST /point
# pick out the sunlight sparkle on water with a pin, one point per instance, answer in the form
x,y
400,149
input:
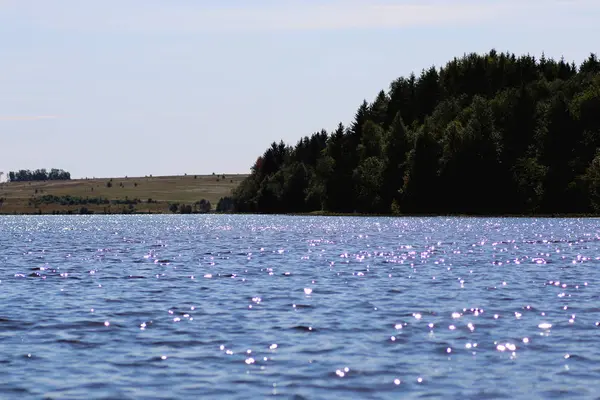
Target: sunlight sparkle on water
x,y
368,301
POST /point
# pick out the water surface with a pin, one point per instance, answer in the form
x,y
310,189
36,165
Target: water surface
x,y
300,307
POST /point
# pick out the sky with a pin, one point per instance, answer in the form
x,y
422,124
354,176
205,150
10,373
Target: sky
x,y
167,87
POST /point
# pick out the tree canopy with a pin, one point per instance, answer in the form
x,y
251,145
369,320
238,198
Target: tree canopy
x,y
485,134
25,175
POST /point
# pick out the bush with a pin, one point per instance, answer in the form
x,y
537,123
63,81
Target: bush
x,y
225,204
203,205
127,201
185,209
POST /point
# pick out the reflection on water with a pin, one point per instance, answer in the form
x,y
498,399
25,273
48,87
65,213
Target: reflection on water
x,y
251,306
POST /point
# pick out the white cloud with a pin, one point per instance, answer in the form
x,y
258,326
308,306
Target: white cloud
x,y
196,16
304,15
334,15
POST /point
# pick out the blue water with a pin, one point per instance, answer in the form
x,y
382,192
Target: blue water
x,y
299,307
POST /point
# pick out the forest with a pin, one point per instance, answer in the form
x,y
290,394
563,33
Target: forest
x,y
487,134
25,175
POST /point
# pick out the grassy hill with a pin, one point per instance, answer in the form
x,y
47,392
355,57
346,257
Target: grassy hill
x,y
114,195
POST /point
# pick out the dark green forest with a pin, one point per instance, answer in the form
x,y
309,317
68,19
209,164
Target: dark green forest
x,y
25,175
487,134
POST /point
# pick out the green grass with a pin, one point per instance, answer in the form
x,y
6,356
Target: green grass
x,y
163,190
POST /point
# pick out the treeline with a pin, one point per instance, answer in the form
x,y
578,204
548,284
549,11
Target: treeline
x,y
486,134
25,175
201,206
68,200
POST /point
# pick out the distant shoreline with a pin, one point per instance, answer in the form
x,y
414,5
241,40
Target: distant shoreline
x,y
328,214
155,195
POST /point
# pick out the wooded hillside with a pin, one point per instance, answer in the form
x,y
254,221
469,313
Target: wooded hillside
x,y
485,134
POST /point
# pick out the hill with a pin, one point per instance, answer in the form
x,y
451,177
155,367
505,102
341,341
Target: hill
x,y
487,134
115,195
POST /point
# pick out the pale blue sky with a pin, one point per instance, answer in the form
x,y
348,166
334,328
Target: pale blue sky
x,y
137,87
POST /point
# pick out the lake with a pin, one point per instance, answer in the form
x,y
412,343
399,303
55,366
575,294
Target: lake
x,y
218,306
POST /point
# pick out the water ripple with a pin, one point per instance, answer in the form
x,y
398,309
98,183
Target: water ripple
x,y
302,307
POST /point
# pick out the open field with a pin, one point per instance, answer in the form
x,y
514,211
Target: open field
x,y
130,194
